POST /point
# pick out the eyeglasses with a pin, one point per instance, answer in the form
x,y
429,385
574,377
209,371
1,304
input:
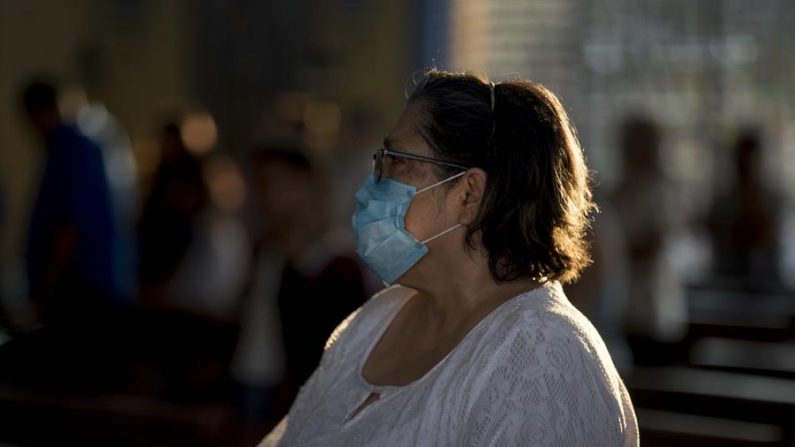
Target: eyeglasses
x,y
378,161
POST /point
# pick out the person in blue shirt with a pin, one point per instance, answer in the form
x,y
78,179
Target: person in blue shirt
x,y
70,263
70,241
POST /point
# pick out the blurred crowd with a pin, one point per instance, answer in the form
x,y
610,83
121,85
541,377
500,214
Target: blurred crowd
x,y
649,247
215,277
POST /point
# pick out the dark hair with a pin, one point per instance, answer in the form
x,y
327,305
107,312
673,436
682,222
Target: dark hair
x,y
39,95
537,204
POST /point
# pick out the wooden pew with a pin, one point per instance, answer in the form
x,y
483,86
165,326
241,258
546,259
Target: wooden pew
x,y
744,356
670,429
716,394
741,315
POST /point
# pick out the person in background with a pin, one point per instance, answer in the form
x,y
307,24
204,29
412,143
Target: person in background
x,y
647,211
475,212
744,220
98,124
195,256
601,291
176,199
303,282
70,256
70,246
219,253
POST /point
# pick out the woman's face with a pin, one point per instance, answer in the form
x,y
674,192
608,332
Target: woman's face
x,y
428,214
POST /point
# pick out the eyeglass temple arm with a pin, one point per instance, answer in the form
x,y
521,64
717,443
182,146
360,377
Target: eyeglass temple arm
x,y
421,158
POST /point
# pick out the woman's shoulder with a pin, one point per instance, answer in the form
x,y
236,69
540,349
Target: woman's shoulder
x,y
540,356
543,330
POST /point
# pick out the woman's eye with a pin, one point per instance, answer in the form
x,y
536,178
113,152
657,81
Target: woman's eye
x,y
394,166
393,161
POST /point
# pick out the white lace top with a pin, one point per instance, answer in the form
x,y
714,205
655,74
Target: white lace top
x,y
534,372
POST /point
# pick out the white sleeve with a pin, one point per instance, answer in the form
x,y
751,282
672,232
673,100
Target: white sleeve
x,y
307,395
543,387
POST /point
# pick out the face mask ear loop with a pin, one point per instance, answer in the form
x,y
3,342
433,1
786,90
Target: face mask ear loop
x,y
442,233
439,183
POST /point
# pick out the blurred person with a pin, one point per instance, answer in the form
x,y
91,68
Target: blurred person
x,y
71,240
476,211
601,292
645,206
219,254
304,282
194,260
97,123
744,220
175,201
70,256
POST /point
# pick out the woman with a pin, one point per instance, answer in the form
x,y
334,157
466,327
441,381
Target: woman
x,y
476,211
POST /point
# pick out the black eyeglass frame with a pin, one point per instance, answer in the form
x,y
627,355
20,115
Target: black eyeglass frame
x,y
378,160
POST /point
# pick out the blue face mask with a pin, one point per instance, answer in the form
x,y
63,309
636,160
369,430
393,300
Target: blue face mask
x,y
379,227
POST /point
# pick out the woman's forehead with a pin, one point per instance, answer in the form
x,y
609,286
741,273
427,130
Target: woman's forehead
x,y
405,135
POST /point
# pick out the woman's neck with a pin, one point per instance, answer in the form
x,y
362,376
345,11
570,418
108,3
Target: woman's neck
x,y
468,291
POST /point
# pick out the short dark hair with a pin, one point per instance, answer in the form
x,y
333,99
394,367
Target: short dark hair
x,y
537,204
39,95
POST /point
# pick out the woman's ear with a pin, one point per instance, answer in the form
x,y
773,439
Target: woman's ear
x,y
469,194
